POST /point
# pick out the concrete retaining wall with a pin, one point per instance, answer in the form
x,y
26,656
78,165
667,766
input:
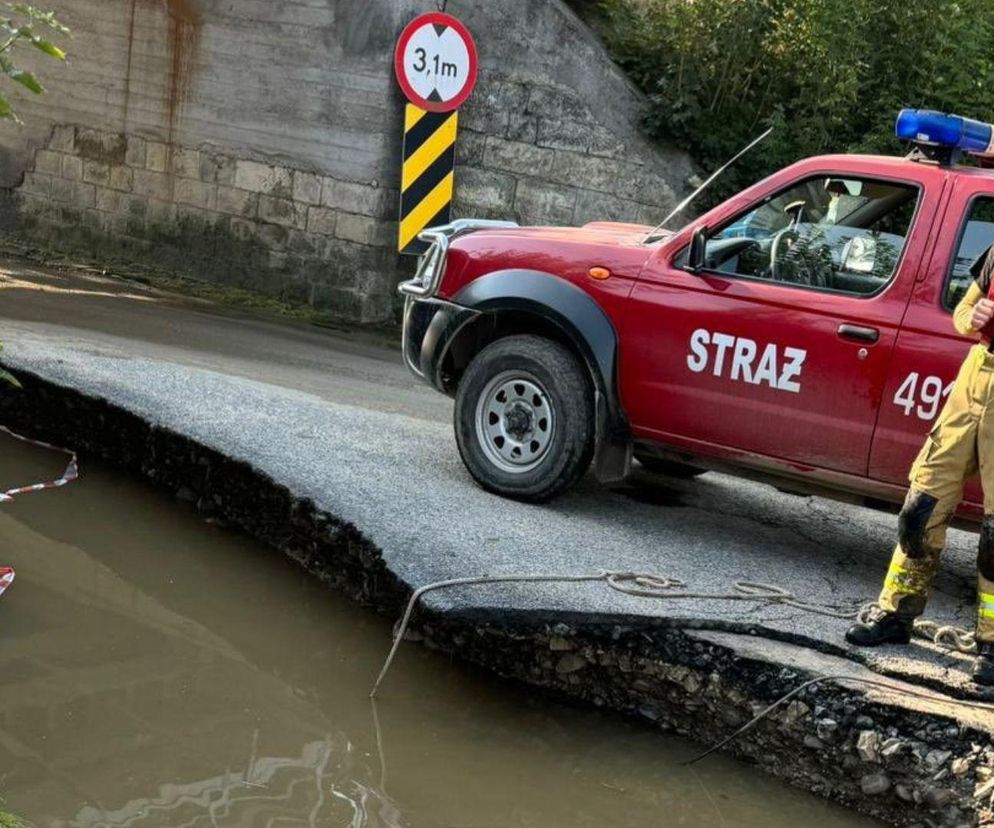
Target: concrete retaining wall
x,y
258,144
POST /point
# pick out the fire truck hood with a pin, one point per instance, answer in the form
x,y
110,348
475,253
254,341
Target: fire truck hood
x,y
596,232
561,251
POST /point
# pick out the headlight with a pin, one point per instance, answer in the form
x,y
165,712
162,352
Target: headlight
x,y
428,265
432,263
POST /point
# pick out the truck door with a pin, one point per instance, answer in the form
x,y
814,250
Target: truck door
x,y
929,352
779,348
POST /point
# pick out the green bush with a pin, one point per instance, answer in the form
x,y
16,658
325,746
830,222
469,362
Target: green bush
x,y
830,75
8,820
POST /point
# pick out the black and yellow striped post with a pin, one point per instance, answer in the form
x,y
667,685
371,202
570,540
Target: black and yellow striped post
x,y
427,177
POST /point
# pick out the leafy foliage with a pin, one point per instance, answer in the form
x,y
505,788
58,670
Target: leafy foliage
x,y
8,820
830,75
19,27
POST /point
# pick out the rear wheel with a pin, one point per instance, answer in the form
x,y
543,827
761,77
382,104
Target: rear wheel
x,y
524,418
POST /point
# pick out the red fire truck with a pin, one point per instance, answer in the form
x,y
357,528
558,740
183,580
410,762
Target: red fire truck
x,y
800,332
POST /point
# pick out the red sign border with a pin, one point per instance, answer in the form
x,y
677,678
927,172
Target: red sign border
x,y
398,62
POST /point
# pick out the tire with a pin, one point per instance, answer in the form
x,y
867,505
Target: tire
x,y
670,468
524,418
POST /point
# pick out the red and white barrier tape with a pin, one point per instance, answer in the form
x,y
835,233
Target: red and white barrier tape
x,y
68,476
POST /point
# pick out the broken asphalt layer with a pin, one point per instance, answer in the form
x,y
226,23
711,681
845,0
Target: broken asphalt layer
x,y
338,420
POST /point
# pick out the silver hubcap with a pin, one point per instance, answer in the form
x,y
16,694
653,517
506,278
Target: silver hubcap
x,y
514,422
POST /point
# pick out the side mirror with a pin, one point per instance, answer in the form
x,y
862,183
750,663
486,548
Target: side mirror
x,y
698,250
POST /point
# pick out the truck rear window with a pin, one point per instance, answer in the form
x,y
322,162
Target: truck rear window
x,y
975,240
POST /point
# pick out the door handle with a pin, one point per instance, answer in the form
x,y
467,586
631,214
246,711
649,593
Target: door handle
x,y
858,332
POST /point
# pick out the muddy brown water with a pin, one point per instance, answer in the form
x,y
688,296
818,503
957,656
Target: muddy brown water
x,y
156,670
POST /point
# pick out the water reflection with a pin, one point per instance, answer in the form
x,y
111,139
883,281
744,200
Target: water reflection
x,y
159,671
316,788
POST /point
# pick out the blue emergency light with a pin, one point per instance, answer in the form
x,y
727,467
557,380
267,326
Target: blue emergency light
x,y
926,128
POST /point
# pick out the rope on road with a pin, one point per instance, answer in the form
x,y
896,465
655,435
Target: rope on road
x,y
947,636
638,584
652,586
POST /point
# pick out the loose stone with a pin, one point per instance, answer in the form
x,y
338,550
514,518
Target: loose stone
x,y
875,784
960,766
937,798
570,663
892,747
795,712
868,746
935,759
985,790
828,730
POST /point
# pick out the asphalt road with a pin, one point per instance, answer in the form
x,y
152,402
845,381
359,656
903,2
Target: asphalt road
x,y
336,417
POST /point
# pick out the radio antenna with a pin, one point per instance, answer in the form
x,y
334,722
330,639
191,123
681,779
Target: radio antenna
x,y
683,204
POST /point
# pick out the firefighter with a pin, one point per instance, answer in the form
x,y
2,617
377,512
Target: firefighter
x,y
960,444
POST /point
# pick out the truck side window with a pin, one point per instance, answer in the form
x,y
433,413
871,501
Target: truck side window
x,y
834,234
975,240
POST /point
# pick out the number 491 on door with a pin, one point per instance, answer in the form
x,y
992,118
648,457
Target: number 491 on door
x,y
923,397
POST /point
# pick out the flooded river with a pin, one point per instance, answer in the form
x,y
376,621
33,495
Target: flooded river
x,y
156,670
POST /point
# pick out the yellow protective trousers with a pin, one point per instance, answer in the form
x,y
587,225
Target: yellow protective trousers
x,y
960,444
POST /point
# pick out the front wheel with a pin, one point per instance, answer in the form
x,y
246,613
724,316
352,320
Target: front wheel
x,y
524,418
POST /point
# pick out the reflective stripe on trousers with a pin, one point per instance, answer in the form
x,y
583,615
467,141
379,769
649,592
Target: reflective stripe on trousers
x,y
985,605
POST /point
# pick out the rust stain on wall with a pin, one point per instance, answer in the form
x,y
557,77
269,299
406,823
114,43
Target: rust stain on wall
x,y
183,25
184,38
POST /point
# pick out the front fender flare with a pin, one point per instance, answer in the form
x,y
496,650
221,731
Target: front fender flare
x,y
587,326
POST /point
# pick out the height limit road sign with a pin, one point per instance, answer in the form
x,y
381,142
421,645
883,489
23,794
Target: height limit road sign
x,y
436,62
436,65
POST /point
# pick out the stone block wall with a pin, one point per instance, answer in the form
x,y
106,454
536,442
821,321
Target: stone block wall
x,y
538,154
258,145
294,235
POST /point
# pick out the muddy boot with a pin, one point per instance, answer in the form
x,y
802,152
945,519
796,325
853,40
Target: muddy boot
x,y
882,628
983,667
